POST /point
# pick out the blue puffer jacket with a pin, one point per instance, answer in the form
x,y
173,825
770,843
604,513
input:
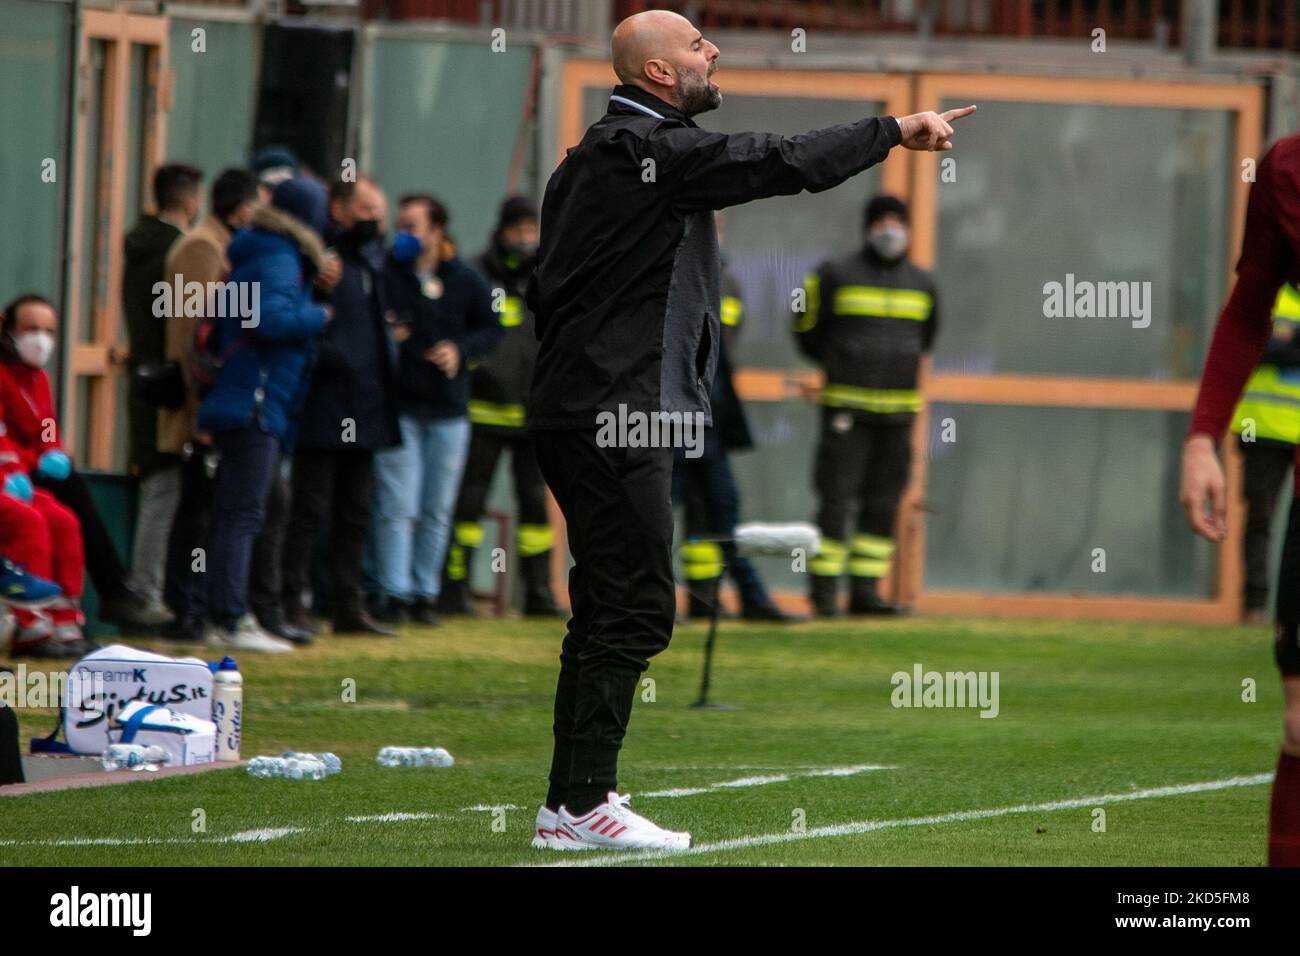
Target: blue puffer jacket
x,y
265,368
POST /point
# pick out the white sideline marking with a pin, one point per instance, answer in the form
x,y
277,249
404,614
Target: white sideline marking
x,y
97,841
762,781
393,817
247,836
486,808
870,826
264,835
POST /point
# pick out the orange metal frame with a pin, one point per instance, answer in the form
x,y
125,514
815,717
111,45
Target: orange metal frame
x,y
102,359
1245,102
916,178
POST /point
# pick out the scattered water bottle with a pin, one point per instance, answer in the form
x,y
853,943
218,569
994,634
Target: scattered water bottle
x,y
134,757
296,766
414,757
332,763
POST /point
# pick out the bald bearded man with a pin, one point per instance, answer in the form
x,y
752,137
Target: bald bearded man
x,y
627,301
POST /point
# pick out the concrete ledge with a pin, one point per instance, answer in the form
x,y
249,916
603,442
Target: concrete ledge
x,y
105,778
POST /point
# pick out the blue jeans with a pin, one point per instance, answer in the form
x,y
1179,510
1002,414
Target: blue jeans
x,y
249,457
415,494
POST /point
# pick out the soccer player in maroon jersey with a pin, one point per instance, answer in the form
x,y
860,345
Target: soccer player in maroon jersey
x,y
1270,256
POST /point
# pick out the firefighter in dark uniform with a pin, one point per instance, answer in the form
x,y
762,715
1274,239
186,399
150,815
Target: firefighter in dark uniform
x,y
1267,423
869,319
498,388
707,486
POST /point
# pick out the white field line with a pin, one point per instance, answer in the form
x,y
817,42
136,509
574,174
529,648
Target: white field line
x,y
870,826
761,781
394,817
264,835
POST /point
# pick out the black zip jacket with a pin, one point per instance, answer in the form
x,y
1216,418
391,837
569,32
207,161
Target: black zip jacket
x,y
867,322
626,291
458,306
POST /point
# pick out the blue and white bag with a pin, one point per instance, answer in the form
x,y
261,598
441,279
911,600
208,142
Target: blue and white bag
x,y
104,681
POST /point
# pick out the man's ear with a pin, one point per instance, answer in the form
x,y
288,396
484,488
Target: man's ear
x,y
659,72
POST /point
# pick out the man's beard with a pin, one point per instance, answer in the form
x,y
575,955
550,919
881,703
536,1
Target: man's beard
x,y
696,93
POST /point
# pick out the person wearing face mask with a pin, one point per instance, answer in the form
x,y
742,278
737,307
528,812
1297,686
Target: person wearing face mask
x,y
498,392
252,409
31,432
442,320
870,317
350,413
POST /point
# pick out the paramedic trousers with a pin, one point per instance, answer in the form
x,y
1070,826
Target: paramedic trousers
x,y
618,510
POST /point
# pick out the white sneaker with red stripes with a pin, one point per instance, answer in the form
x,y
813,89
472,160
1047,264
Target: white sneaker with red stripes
x,y
544,830
613,826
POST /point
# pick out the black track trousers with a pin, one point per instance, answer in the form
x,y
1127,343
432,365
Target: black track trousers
x,y
618,509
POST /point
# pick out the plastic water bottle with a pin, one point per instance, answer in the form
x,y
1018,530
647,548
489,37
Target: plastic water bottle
x,y
227,709
134,757
329,761
296,766
414,757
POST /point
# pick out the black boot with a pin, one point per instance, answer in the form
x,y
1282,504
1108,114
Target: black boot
x,y
865,599
825,596
455,597
538,599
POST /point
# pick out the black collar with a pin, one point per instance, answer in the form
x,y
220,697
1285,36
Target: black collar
x,y
647,100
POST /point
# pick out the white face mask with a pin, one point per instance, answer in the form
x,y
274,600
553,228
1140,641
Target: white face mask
x,y
890,243
35,348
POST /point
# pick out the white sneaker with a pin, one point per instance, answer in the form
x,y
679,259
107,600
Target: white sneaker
x,y
246,636
544,831
613,826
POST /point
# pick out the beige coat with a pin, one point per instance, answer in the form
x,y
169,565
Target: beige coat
x,y
197,256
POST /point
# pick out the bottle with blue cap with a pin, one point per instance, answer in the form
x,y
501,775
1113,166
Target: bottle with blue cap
x,y
227,708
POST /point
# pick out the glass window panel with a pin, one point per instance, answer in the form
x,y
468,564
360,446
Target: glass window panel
x,y
1044,190
1021,499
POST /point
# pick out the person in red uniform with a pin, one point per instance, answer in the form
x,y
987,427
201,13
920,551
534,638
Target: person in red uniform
x,y
1270,256
27,337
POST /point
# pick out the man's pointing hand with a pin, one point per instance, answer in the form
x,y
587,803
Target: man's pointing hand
x,y
930,131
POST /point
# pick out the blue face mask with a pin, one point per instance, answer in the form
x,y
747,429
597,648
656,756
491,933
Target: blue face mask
x,y
406,247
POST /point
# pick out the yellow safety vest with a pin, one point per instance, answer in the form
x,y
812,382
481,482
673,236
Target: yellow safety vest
x,y
1272,397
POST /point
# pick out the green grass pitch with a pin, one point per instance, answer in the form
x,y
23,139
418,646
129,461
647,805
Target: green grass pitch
x,y
1091,716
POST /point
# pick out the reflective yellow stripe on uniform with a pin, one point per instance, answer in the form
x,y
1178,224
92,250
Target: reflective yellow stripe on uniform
x,y
512,312
830,561
490,413
886,303
881,400
701,560
1272,397
1287,305
870,556
804,321
534,539
731,310
466,534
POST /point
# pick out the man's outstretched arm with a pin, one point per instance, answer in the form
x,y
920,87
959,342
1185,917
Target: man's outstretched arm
x,y
707,170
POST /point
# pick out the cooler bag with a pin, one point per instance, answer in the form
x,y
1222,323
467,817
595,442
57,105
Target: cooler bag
x,y
103,682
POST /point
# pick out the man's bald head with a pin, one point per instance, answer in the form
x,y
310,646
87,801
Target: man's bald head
x,y
663,53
